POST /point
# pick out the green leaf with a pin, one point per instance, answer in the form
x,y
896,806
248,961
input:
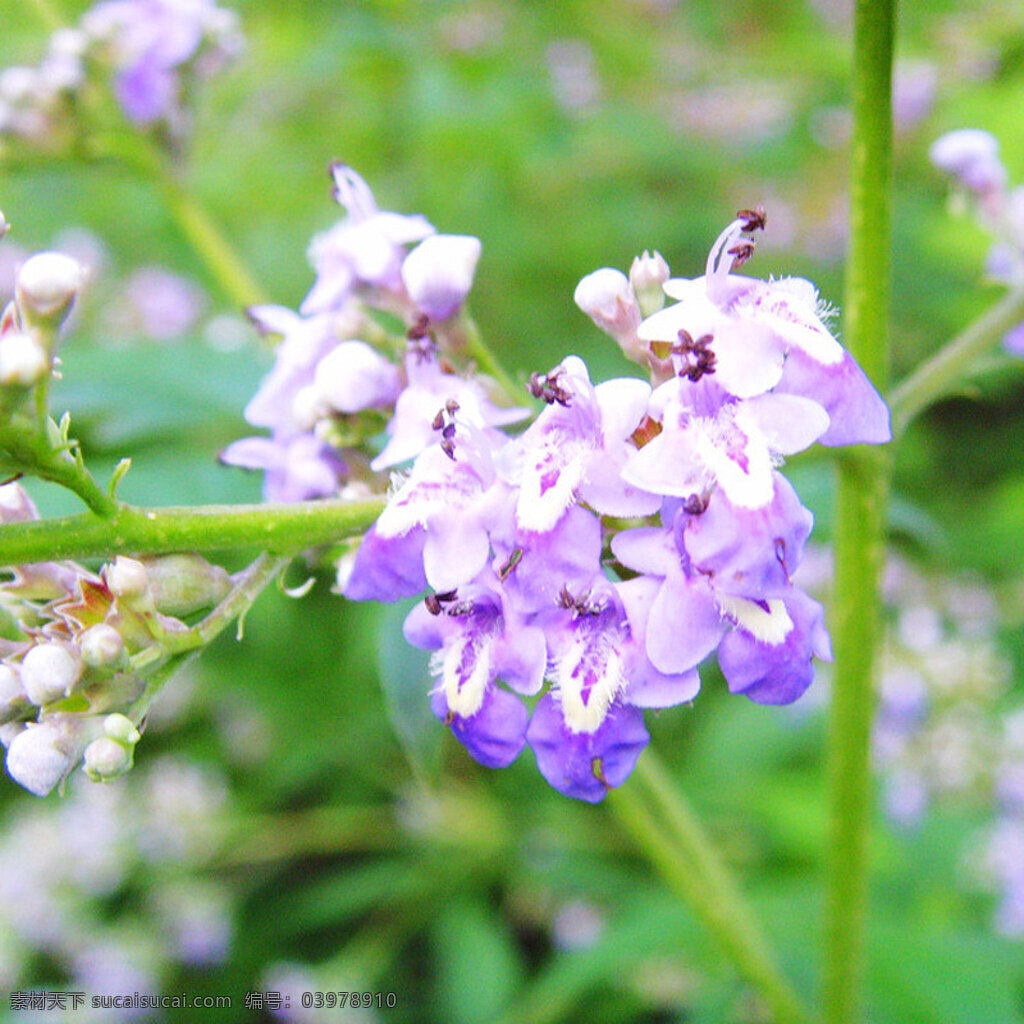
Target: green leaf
x,y
479,968
406,681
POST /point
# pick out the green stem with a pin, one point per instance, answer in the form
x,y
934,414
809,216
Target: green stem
x,y
671,836
861,517
282,529
248,585
48,15
30,451
478,351
220,257
943,374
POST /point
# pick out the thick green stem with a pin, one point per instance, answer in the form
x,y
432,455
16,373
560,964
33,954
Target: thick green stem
x,y
861,514
275,528
945,372
665,827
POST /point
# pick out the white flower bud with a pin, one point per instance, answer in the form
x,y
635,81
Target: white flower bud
x,y
46,287
13,698
121,729
353,377
9,730
106,759
102,646
127,578
41,754
438,273
607,297
647,275
24,360
49,672
4,226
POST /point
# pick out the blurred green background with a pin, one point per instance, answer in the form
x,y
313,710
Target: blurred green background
x,y
359,844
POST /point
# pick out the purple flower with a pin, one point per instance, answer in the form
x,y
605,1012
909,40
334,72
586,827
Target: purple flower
x,y
150,43
298,467
768,655
746,333
585,765
972,156
709,439
480,639
429,390
577,447
452,501
366,249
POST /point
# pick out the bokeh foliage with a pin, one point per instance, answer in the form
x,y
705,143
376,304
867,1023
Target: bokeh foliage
x,y
566,136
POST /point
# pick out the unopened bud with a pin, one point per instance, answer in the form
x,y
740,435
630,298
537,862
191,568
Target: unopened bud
x,y
46,287
102,646
607,297
43,753
647,275
4,226
105,760
49,672
127,579
24,360
14,701
438,273
183,584
121,729
972,156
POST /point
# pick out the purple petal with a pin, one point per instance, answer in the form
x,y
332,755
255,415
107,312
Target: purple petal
x,y
857,413
387,569
777,673
496,734
684,625
586,765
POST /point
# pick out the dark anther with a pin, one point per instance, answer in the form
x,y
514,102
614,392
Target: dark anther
x,y
741,252
513,560
753,220
581,605
435,602
420,329
444,421
696,356
696,504
546,387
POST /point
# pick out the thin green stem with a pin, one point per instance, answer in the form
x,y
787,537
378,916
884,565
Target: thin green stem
x,y
47,13
480,353
30,451
861,517
944,373
248,585
208,241
275,528
668,831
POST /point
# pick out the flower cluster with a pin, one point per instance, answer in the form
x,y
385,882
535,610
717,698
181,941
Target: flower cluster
x,y
153,52
339,374
627,533
78,686
971,157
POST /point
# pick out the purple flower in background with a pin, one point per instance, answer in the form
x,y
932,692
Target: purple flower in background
x,y
150,43
298,467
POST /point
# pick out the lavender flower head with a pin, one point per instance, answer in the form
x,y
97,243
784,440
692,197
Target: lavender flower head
x,y
540,640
